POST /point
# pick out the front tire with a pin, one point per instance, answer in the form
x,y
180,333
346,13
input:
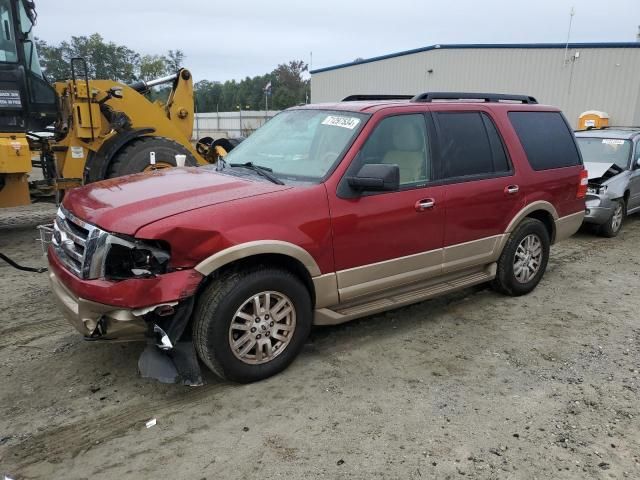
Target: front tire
x,y
613,226
251,324
524,259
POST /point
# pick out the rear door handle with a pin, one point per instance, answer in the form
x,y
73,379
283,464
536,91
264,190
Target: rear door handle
x,y
424,204
511,189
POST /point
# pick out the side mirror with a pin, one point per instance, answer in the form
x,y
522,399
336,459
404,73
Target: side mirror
x,y
376,177
638,162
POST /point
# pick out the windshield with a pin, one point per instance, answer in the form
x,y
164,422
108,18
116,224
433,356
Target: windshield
x,y
299,144
8,52
605,150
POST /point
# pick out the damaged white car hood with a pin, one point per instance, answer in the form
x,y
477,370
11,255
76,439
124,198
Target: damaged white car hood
x,y
597,169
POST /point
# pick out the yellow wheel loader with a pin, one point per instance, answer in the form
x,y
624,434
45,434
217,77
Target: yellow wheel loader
x,y
83,130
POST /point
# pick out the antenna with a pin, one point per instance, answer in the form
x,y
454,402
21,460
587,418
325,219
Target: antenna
x,y
566,48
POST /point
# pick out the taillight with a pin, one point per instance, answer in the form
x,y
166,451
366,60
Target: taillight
x,y
582,187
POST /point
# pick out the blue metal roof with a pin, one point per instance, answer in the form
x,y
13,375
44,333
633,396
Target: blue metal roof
x,y
482,45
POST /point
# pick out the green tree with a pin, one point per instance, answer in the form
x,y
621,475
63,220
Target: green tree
x,y
152,66
289,86
174,61
104,59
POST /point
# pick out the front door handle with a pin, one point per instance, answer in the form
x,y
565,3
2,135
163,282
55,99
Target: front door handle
x,y
511,189
424,204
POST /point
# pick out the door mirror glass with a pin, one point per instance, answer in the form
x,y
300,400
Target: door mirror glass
x,y
376,177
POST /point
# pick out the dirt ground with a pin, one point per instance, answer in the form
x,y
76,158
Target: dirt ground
x,y
472,385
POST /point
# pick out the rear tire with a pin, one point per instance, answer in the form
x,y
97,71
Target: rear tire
x,y
225,315
614,224
134,157
524,259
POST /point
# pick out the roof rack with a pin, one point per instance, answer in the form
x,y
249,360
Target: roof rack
x,y
366,97
484,97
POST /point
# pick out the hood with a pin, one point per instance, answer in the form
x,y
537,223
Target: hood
x,y
125,204
598,169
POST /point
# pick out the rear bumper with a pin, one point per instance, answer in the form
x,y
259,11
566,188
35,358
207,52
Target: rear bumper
x,y
121,308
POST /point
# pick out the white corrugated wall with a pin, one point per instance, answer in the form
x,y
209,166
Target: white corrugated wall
x,y
606,79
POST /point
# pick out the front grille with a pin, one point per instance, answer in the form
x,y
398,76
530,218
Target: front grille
x,y
74,242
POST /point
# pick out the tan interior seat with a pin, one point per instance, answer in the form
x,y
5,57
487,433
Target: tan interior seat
x,y
407,153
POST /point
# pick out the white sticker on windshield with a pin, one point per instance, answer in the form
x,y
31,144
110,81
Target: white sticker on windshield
x,y
612,141
344,122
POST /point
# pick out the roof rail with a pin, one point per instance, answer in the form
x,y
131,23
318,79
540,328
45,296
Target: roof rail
x,y
365,97
484,97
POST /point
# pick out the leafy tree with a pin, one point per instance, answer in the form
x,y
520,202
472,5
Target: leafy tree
x,y
109,60
289,87
104,59
152,66
174,61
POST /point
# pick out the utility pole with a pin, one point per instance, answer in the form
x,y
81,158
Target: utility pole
x,y
310,68
566,48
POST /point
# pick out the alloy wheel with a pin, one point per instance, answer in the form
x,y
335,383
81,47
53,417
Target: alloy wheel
x,y
262,327
616,219
528,258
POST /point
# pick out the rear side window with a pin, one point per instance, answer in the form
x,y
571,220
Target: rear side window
x,y
546,139
469,145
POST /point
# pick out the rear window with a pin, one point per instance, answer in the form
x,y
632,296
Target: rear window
x,y
546,139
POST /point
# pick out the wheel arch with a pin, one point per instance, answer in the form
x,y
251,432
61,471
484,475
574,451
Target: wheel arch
x,y
539,210
269,252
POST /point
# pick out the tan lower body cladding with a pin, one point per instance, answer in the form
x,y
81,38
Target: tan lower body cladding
x,y
357,292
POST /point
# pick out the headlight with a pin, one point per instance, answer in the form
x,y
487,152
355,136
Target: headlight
x,y
135,258
597,189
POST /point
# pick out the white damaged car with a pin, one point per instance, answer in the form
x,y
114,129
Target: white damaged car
x,y
611,155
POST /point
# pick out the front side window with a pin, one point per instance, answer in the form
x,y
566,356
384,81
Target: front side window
x,y
605,150
300,145
469,145
8,51
400,140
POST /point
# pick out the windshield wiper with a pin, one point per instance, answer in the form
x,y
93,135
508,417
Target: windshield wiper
x,y
262,171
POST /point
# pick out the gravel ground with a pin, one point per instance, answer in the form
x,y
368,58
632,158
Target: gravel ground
x,y
471,385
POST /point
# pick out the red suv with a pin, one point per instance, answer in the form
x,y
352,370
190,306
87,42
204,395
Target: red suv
x,y
327,213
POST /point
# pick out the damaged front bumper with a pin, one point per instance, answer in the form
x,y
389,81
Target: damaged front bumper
x,y
599,209
157,310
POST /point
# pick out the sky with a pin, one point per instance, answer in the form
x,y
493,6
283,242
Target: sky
x,y
233,40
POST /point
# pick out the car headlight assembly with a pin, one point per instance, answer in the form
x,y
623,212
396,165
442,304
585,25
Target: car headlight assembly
x,y
597,189
134,259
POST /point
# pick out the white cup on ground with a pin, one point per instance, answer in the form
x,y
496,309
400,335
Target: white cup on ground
x,y
180,159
